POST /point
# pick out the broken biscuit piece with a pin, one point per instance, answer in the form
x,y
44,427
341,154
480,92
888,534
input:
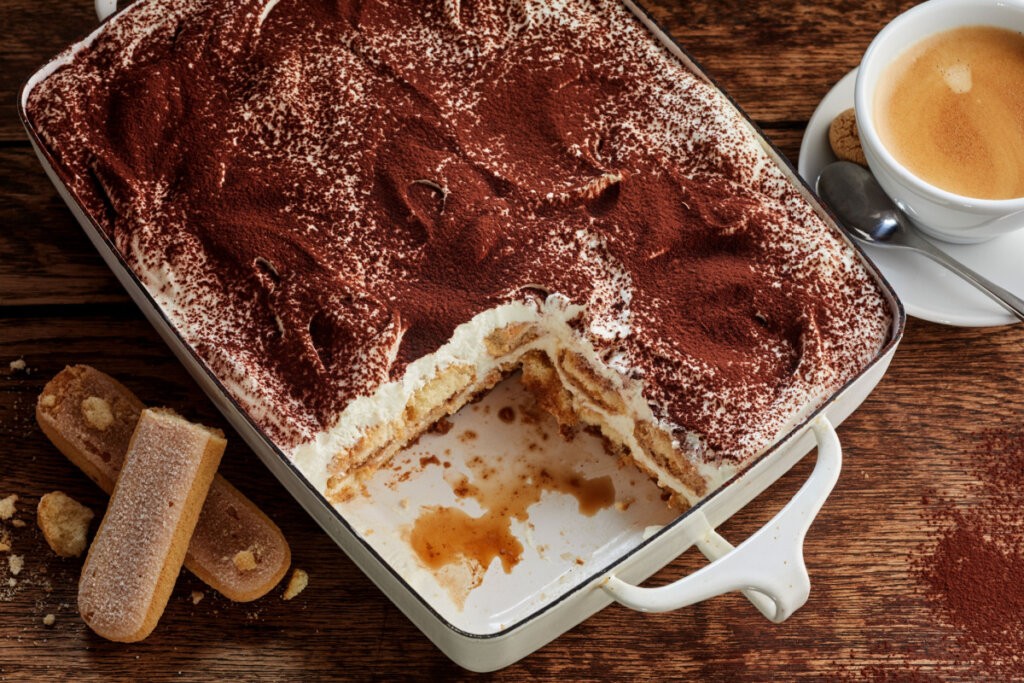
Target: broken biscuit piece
x,y
8,506
97,413
64,523
297,584
244,560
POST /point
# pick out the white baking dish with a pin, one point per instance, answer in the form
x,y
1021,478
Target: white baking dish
x,y
591,561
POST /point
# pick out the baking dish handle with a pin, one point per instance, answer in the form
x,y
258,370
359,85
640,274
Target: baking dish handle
x,y
768,567
104,8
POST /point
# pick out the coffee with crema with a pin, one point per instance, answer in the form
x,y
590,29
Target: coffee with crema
x,y
950,109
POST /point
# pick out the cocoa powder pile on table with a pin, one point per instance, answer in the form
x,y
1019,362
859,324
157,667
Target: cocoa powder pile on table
x,y
967,577
972,572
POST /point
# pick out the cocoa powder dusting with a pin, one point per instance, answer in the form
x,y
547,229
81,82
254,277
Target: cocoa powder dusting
x,y
320,192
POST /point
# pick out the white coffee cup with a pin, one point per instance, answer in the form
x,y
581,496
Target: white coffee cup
x,y
939,213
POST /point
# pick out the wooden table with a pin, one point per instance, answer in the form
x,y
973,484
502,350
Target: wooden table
x,y
865,617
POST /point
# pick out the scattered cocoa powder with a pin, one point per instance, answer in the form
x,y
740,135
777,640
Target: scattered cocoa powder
x,y
969,574
972,572
524,170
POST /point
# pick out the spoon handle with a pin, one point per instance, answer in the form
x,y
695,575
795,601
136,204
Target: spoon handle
x,y
1014,304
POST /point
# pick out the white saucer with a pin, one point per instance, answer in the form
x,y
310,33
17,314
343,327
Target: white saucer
x,y
928,290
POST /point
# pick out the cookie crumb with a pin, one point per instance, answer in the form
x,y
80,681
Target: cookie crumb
x,y
64,523
97,413
244,560
18,523
49,620
197,597
7,506
18,365
12,582
16,563
845,139
297,584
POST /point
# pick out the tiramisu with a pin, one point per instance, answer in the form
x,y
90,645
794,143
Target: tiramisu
x,y
362,214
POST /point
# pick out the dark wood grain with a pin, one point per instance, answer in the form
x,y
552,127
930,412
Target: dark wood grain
x,y
33,33
912,438
47,259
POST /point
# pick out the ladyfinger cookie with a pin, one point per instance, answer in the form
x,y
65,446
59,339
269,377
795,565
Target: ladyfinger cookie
x,y
90,417
139,549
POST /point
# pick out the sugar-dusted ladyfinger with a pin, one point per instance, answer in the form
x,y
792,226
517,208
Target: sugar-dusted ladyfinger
x,y
140,547
90,417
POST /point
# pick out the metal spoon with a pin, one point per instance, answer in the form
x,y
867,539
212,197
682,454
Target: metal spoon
x,y
870,216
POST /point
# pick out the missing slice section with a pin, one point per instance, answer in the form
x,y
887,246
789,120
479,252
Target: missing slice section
x,y
568,381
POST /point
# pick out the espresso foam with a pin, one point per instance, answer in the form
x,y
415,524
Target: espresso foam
x,y
951,110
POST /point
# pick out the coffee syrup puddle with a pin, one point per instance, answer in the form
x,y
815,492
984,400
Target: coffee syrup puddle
x,y
446,535
496,495
459,547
